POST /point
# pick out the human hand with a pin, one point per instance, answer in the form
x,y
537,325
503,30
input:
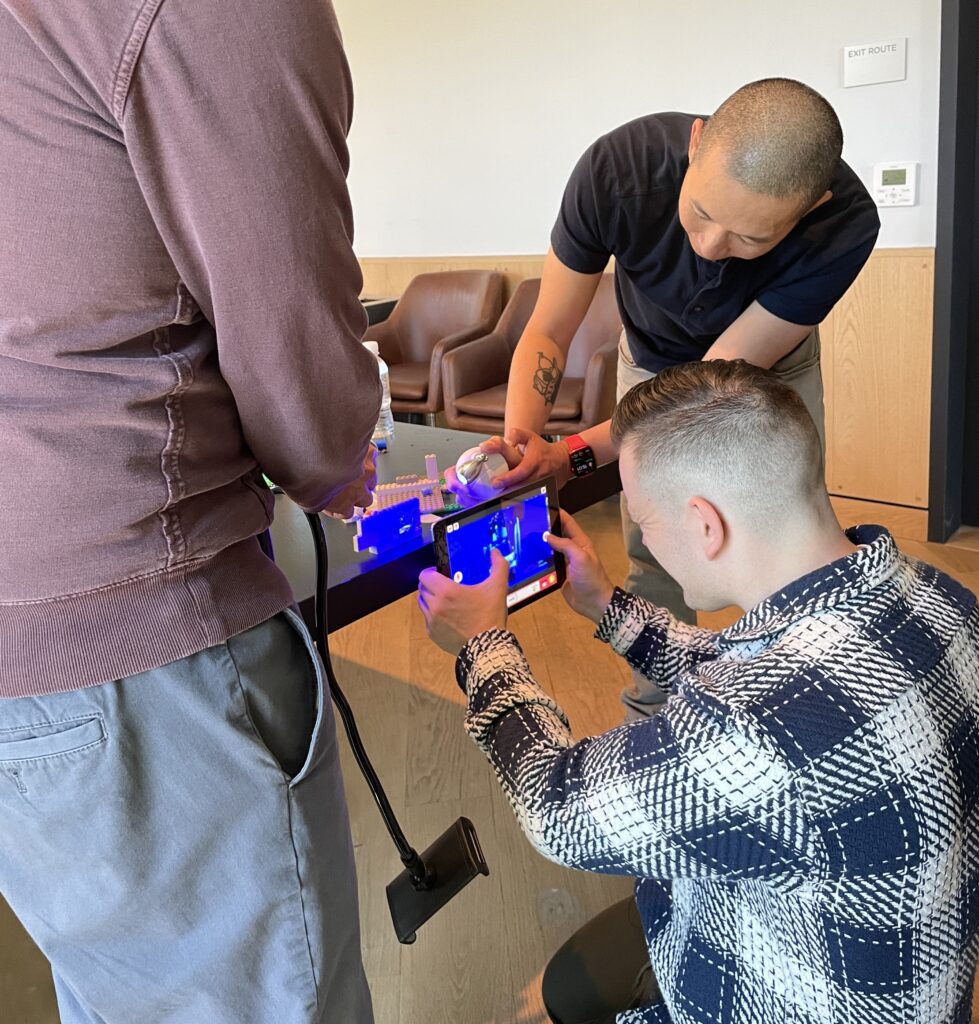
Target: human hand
x,y
538,458
359,493
455,613
587,588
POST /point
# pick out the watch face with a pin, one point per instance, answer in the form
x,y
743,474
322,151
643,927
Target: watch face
x,y
582,461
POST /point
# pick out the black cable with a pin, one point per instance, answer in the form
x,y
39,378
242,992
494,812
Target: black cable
x,y
450,863
409,856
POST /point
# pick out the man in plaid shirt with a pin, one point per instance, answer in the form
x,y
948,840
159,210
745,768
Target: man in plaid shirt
x,y
802,814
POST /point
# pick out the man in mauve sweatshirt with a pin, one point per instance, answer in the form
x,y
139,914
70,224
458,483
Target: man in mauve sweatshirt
x,y
178,312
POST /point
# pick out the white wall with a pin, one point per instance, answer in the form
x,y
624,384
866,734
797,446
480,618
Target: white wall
x,y
470,114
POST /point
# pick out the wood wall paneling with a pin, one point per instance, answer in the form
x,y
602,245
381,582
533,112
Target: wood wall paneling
x,y
387,277
877,376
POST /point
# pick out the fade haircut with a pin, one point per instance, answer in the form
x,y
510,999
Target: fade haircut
x,y
780,138
729,432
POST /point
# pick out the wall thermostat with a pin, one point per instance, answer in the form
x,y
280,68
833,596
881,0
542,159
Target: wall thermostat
x,y
896,184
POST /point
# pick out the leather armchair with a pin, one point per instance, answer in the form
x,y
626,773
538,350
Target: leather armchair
x,y
475,375
436,314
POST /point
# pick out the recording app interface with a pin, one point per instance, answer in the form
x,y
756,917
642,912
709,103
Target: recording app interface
x,y
516,530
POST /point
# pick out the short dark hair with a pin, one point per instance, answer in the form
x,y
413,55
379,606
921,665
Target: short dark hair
x,y
725,428
780,138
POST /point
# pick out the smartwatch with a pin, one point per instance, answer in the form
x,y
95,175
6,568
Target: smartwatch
x,y
582,457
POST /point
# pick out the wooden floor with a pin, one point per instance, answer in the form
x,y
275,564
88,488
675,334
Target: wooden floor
x,y
479,960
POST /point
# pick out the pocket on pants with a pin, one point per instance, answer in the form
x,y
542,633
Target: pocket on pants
x,y
284,694
323,739
627,373
800,360
281,689
625,352
42,740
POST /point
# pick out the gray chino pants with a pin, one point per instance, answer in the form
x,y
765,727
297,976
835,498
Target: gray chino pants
x,y
800,370
177,842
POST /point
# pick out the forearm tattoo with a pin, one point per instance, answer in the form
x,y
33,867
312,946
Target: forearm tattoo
x,y
547,377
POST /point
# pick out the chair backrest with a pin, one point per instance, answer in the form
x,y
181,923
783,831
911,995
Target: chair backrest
x,y
602,324
518,311
434,306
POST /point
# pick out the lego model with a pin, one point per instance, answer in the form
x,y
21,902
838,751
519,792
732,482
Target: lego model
x,y
427,489
390,527
394,517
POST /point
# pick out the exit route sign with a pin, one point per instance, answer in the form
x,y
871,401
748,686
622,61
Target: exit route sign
x,y
871,63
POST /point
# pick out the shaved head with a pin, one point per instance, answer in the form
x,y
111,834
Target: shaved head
x,y
777,138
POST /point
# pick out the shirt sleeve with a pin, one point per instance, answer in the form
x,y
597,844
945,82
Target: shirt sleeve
x,y
235,120
682,794
830,265
582,235
652,641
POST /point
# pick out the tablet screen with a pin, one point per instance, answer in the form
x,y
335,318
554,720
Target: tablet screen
x,y
515,525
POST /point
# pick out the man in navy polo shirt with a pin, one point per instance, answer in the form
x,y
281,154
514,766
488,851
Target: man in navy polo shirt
x,y
732,237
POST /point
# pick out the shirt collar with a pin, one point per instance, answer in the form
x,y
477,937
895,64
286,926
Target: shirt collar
x,y
874,561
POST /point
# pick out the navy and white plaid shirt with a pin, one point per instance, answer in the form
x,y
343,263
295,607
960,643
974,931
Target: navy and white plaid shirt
x,y
803,814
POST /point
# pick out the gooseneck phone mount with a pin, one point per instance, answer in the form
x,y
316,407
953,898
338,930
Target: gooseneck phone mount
x,y
432,878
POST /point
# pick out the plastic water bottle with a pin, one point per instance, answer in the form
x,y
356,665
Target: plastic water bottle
x,y
384,430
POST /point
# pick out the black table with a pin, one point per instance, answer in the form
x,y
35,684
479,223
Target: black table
x,y
378,310
360,583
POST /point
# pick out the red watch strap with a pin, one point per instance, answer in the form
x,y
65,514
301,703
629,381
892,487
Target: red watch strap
x,y
575,443
580,455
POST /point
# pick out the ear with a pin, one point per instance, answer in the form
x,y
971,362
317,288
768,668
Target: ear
x,y
709,526
696,136
824,198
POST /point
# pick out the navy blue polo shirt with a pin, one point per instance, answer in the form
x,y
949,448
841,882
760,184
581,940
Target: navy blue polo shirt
x,y
622,201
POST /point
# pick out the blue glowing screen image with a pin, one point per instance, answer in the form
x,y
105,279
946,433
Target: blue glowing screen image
x,y
516,530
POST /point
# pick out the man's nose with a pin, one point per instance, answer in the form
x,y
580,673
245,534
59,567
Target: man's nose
x,y
713,245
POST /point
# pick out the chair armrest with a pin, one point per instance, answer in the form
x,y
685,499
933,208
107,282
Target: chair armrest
x,y
598,396
440,348
475,366
386,335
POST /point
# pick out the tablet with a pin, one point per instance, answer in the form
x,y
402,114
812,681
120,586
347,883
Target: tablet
x,y
514,524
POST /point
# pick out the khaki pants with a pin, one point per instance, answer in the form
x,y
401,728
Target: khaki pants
x,y
800,370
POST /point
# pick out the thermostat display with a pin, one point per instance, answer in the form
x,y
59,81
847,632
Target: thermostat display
x,y
896,184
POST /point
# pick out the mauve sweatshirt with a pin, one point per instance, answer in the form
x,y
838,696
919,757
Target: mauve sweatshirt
x,y
178,311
